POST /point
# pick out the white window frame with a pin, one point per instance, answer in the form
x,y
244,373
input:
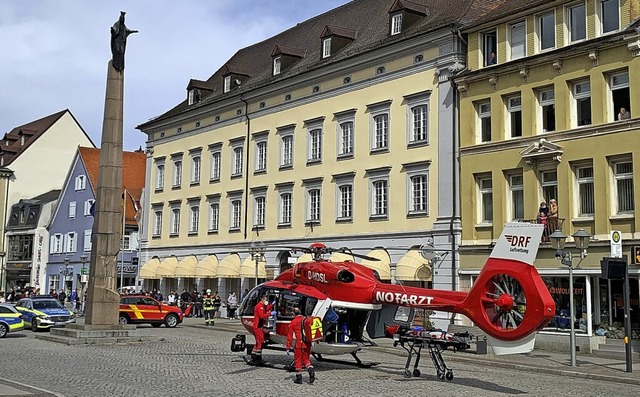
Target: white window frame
x,y
56,243
485,190
277,65
585,185
285,206
396,24
600,4
570,22
70,242
87,207
486,37
514,110
483,110
517,50
314,142
87,240
235,214
549,183
176,180
314,204
175,221
417,190
540,31
326,47
160,175
379,127
344,200
581,90
216,164
157,221
194,218
546,97
516,195
237,160
620,177
259,210
618,81
227,84
81,182
196,168
72,209
286,150
261,155
379,195
415,103
214,216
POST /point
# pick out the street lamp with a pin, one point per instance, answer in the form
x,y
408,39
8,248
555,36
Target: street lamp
x,y
257,253
581,239
84,277
64,271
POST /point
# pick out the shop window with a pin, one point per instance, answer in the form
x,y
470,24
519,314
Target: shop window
x,y
559,290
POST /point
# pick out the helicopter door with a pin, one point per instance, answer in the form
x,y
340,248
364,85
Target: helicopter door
x,y
388,315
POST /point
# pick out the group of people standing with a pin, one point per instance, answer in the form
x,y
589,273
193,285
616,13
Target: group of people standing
x,y
548,216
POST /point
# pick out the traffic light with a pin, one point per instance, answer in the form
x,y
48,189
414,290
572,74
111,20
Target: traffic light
x,y
614,268
635,254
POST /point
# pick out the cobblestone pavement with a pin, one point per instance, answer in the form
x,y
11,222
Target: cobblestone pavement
x,y
197,361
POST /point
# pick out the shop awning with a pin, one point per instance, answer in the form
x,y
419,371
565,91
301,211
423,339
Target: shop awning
x,y
248,268
148,270
382,266
341,257
413,267
304,258
187,267
167,268
207,267
229,266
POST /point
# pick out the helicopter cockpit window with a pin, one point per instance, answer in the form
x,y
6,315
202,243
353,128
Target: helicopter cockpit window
x,y
287,303
309,306
251,301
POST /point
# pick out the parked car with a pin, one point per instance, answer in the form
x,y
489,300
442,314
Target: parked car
x,y
142,309
43,312
10,320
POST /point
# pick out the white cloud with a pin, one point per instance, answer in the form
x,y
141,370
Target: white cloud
x,y
55,53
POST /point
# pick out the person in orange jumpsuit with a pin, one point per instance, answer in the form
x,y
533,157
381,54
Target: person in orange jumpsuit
x,y
261,312
302,348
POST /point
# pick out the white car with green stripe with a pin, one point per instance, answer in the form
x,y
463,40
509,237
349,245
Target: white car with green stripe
x,y
44,312
10,320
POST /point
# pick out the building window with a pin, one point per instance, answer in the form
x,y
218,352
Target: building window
x,y
177,173
286,150
514,108
345,202
345,139
419,128
261,156
87,207
227,84
87,240
277,63
236,169
396,24
259,211
380,198
517,42
549,185
586,193
418,190
81,182
214,217
315,145
194,218
214,172
546,98
619,84
175,221
577,21
484,121
610,15
516,187
623,175
489,47
313,205
72,209
326,47
56,243
70,241
160,176
236,214
582,96
285,209
485,185
157,223
547,31
379,126
20,247
196,166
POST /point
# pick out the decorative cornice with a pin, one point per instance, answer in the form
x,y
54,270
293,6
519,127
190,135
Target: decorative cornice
x,y
557,65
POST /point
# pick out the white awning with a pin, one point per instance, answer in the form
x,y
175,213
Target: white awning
x,y
229,266
304,258
207,267
413,267
248,268
167,268
187,267
382,266
341,257
148,270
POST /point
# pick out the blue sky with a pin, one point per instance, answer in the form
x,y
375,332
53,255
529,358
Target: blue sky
x,y
54,53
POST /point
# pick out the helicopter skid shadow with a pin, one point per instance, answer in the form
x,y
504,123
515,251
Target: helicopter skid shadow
x,y
468,382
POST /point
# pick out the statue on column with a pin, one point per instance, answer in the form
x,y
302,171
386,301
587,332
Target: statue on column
x,y
119,34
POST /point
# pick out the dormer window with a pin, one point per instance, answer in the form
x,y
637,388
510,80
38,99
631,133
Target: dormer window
x,y
227,83
277,63
396,24
194,96
326,47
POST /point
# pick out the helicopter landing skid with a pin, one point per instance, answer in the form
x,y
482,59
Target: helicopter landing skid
x,y
266,364
359,363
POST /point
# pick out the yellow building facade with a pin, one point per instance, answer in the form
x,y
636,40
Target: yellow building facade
x,y
550,114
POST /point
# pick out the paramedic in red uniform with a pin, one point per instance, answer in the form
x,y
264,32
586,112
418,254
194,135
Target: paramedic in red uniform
x,y
302,348
261,312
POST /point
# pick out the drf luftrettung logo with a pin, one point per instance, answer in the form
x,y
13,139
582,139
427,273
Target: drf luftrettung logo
x,y
518,243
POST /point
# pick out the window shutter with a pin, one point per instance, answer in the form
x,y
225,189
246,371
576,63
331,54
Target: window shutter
x,y
87,240
52,244
65,246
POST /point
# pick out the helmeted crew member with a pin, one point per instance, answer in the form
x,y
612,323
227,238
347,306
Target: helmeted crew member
x,y
261,312
302,348
208,309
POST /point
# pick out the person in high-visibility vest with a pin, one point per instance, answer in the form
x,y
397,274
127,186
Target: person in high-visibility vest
x,y
208,309
302,348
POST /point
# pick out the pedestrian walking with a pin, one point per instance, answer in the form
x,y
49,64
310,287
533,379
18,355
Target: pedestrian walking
x,y
301,348
232,305
217,302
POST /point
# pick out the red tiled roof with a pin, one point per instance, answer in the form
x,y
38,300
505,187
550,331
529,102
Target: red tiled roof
x,y
133,176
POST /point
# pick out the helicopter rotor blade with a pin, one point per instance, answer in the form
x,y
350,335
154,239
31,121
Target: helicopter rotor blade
x,y
348,251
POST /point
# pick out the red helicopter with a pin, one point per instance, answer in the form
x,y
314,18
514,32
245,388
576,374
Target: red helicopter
x,y
508,301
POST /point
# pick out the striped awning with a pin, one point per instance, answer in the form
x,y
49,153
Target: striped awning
x,y
187,267
207,267
304,258
341,257
382,266
167,268
248,268
413,267
229,266
148,270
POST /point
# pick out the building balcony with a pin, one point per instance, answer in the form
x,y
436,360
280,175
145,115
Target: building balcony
x,y
551,224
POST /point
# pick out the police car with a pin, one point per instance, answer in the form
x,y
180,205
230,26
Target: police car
x,y
43,312
10,320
